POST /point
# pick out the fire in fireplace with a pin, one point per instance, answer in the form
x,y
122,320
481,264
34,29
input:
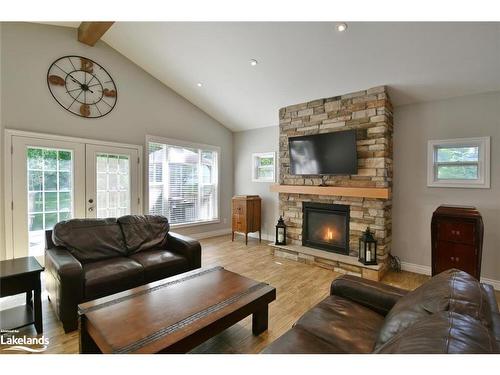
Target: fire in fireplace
x,y
326,227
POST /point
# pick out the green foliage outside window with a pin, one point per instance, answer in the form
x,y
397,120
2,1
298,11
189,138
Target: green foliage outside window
x,y
457,163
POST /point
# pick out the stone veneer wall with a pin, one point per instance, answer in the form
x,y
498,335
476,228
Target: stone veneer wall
x,y
370,113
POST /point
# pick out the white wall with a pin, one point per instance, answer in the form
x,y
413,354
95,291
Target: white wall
x,y
414,202
145,106
246,143
2,229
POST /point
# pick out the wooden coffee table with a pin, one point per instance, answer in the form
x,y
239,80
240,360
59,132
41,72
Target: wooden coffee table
x,y
173,315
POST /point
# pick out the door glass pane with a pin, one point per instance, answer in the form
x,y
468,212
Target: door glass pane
x,y
50,192
113,185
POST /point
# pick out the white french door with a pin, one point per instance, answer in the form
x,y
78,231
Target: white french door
x,y
47,186
112,181
54,180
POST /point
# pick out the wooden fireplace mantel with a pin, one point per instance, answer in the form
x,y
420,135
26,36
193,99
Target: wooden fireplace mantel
x,y
382,193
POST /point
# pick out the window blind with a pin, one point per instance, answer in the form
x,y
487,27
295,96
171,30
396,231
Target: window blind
x,y
183,183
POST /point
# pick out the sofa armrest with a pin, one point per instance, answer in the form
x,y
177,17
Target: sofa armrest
x,y
64,283
374,295
186,246
63,264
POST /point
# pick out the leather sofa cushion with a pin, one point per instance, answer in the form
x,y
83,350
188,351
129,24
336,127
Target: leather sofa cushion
x,y
299,341
496,327
110,276
159,264
89,240
443,333
347,325
144,232
452,290
490,295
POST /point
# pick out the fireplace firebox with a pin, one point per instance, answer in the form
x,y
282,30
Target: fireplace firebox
x,y
326,227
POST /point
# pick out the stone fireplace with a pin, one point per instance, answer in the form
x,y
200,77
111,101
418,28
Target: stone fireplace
x,y
326,227
369,113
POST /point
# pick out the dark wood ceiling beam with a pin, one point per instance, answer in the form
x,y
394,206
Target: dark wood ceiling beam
x,y
90,32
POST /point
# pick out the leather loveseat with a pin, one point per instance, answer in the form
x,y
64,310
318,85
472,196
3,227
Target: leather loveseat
x,y
450,313
87,259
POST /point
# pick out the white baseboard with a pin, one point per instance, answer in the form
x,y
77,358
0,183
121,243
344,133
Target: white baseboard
x,y
426,270
213,233
265,237
416,268
221,232
492,282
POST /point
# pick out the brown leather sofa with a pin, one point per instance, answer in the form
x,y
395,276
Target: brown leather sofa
x,y
87,259
450,313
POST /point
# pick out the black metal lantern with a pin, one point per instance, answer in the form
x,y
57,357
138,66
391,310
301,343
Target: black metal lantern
x,y
367,248
281,232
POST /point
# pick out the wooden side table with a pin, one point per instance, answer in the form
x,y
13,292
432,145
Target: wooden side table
x,y
246,215
21,275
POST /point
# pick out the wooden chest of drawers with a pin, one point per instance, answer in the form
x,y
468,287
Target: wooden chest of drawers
x,y
246,215
457,239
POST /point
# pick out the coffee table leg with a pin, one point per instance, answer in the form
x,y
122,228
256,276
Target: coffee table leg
x,y
38,307
87,344
260,320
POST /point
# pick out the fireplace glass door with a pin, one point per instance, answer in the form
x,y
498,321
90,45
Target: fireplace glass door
x,y
326,226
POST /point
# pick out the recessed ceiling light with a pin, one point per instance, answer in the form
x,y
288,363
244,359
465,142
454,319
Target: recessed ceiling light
x,y
253,62
199,84
341,27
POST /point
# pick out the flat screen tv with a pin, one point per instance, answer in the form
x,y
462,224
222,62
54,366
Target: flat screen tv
x,y
324,154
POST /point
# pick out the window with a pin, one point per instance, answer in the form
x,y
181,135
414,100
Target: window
x,y
263,167
459,163
183,181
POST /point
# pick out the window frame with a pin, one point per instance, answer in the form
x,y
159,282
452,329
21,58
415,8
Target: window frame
x,y
256,155
483,180
187,144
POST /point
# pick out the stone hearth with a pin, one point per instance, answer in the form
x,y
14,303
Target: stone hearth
x,y
336,262
369,112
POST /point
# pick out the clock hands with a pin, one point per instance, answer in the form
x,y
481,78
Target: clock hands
x,y
83,86
74,79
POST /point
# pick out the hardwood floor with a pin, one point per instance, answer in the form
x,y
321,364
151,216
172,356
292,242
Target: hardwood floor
x,y
299,287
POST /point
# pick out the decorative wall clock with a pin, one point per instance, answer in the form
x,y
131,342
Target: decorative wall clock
x,y
82,86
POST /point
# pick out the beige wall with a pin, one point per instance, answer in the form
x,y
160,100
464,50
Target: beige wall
x,y
145,106
414,202
246,143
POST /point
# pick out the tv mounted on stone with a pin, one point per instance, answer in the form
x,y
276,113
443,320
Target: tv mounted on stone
x,y
324,154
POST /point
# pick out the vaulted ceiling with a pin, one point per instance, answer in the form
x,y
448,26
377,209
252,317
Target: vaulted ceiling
x,y
303,61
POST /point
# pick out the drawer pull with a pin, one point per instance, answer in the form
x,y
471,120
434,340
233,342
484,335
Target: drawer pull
x,y
452,259
457,259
